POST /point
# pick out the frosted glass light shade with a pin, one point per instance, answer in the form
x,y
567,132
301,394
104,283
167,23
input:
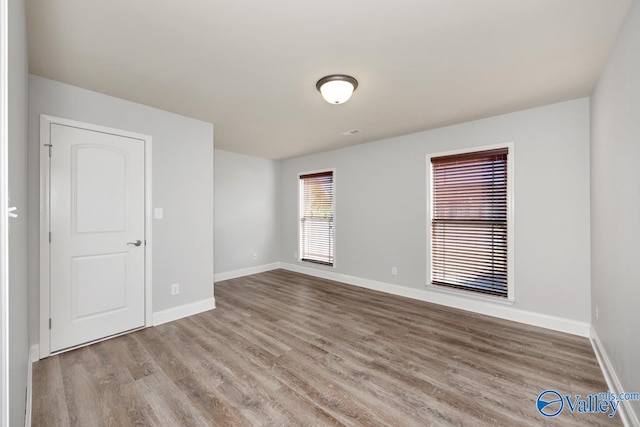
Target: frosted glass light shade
x,y
337,88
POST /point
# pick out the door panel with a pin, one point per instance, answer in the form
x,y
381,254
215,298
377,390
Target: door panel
x,y
99,204
98,284
97,207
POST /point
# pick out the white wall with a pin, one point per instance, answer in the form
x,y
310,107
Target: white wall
x,y
18,319
182,185
381,196
246,220
615,205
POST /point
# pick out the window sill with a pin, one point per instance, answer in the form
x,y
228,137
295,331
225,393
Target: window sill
x,y
470,295
316,264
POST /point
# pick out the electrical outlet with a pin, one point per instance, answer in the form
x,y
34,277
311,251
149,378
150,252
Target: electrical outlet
x,y
394,271
597,314
175,289
255,256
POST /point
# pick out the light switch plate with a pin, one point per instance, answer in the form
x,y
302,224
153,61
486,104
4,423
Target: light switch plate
x,y
157,213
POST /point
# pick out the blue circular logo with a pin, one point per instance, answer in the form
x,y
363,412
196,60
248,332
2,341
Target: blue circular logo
x,y
550,403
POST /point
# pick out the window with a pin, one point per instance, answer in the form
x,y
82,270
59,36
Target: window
x,y
469,222
316,217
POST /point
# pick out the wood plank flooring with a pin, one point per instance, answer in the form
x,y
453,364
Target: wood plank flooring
x,y
285,349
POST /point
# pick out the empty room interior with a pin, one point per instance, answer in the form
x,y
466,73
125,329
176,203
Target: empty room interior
x,y
338,213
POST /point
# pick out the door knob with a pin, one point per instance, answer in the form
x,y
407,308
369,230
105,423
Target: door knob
x,y
136,243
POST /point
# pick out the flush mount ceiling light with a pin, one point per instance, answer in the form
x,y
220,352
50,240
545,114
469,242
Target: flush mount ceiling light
x,y
337,88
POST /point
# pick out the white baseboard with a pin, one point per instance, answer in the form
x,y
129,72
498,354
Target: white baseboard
x,y
499,310
34,356
34,353
627,414
186,310
219,277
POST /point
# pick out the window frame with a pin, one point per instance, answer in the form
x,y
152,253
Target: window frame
x,y
299,259
510,298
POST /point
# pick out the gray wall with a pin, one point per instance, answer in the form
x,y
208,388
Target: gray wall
x,y
18,320
246,220
381,197
615,205
182,185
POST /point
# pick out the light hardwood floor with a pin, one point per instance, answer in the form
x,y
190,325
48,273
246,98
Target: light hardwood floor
x,y
287,349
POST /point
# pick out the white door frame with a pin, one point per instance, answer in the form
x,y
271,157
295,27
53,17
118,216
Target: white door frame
x,y
4,220
45,187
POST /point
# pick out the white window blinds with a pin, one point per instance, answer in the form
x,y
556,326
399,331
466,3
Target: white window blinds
x,y
469,222
316,217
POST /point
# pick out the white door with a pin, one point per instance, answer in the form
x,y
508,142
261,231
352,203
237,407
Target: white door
x,y
97,247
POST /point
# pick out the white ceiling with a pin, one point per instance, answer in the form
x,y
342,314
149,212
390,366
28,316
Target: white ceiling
x,y
250,67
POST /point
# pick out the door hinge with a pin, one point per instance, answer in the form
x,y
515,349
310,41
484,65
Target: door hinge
x,y
49,323
49,237
49,145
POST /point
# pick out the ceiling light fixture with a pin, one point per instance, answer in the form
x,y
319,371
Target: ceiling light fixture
x,y
337,88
